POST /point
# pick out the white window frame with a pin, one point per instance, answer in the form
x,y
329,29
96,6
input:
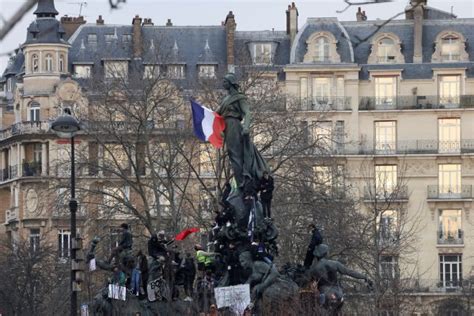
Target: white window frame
x,y
450,224
151,71
449,178
386,90
64,243
92,39
207,71
82,71
175,71
323,49
388,267
34,239
452,42
388,226
386,178
449,135
115,69
449,87
448,277
35,63
386,50
48,63
262,53
34,112
9,85
385,137
62,61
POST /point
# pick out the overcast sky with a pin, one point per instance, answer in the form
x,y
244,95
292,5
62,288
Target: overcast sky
x,y
249,14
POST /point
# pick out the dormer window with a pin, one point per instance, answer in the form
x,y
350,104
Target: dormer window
x,y
176,71
116,69
322,49
109,38
386,49
92,39
61,63
450,46
82,71
151,72
263,53
207,71
35,63
49,63
126,38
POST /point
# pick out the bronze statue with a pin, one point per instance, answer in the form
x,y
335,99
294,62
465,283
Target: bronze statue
x,y
247,164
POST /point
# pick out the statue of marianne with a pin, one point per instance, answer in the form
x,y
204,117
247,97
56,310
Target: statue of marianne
x,y
247,163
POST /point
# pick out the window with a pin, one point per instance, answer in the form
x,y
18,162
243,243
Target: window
x,y
321,92
450,269
35,63
322,49
388,267
82,71
92,39
262,53
126,38
322,177
49,63
37,152
116,69
385,90
64,243
34,112
322,135
449,90
450,180
109,38
114,197
207,159
388,227
34,239
450,229
449,140
176,71
450,48
61,63
151,72
386,51
385,137
9,85
385,180
207,71
303,90
115,157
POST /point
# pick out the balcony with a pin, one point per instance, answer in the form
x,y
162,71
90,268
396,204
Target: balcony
x,y
436,192
435,286
22,128
451,237
326,104
12,215
31,169
414,102
398,194
10,172
403,147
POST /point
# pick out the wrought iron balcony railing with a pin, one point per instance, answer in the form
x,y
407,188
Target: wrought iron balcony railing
x,y
450,238
12,215
437,192
29,127
399,193
403,147
31,169
414,102
434,285
326,104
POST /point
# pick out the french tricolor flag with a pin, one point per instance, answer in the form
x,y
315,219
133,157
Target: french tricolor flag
x,y
208,125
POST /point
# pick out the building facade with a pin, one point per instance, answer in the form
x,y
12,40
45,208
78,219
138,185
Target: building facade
x,y
398,100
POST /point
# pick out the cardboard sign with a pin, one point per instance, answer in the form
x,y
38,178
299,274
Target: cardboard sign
x,y
117,292
236,297
84,310
154,290
92,265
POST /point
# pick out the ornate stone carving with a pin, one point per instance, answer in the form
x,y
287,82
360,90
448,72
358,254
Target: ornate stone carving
x,y
321,38
394,54
458,39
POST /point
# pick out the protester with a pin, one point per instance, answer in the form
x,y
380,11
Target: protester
x,y
143,266
266,193
205,260
234,269
136,277
189,275
259,252
125,243
157,245
316,240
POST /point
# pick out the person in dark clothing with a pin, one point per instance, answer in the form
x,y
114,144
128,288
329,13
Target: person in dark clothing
x,y
157,245
125,242
316,240
143,266
189,272
266,193
234,269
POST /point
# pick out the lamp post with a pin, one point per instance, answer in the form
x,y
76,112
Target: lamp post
x,y
66,126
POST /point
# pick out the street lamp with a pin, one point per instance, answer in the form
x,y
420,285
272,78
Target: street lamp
x,y
66,126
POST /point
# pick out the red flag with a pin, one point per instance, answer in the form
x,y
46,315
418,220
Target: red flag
x,y
185,233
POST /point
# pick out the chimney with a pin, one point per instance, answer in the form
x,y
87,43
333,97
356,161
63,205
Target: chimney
x,y
359,15
292,21
169,23
230,27
364,16
71,24
100,21
137,36
409,10
147,22
418,31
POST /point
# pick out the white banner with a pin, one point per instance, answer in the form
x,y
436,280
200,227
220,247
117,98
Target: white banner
x,y
92,265
236,297
117,292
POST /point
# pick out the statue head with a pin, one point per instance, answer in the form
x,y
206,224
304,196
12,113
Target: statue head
x,y
230,81
321,251
246,260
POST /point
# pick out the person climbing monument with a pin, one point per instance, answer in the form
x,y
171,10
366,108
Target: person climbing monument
x,y
316,239
266,193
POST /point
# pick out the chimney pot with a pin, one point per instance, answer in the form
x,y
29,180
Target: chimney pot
x,y
169,23
292,21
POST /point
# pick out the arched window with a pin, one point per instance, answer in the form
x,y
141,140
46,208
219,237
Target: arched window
x,y
35,63
49,63
386,50
61,63
322,49
450,48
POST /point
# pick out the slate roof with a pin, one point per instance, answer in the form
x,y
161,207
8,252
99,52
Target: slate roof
x,y
45,30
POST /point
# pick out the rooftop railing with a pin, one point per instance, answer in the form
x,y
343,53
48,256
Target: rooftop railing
x,y
20,128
